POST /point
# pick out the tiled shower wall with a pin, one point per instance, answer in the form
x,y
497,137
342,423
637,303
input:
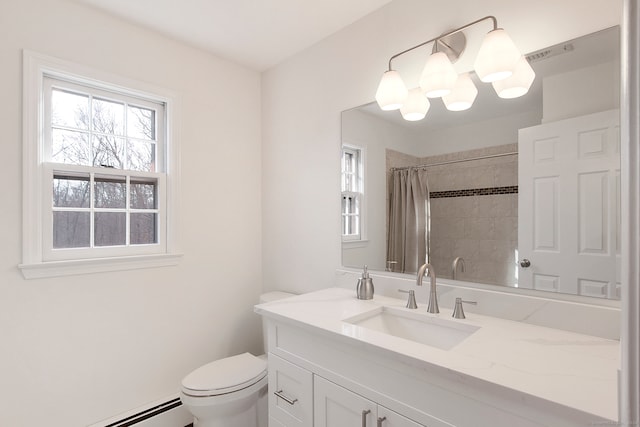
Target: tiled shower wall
x,y
474,212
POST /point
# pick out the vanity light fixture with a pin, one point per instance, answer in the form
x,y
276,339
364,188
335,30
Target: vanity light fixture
x,y
438,76
497,57
416,105
463,94
498,62
518,83
391,92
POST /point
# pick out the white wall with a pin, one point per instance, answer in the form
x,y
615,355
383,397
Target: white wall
x,y
303,98
564,95
482,134
83,348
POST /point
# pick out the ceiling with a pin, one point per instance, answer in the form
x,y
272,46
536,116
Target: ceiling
x,y
256,33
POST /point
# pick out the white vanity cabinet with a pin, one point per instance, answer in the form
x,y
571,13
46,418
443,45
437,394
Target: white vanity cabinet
x,y
324,371
303,397
337,406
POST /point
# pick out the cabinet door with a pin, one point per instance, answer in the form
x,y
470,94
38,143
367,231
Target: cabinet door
x,y
290,394
336,406
388,418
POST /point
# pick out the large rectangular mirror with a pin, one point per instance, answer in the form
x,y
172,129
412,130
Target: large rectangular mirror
x,y
521,193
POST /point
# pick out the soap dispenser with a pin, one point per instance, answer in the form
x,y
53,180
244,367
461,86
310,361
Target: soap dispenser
x,y
364,289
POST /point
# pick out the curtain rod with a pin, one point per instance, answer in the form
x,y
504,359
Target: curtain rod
x,y
513,153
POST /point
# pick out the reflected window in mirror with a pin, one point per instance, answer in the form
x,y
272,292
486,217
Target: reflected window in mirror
x,y
352,193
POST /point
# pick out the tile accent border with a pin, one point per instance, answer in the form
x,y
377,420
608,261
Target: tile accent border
x,y
474,192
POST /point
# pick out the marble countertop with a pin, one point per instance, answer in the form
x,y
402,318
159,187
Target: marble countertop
x,y
574,370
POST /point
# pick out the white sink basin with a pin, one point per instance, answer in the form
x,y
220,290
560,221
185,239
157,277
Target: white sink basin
x,y
415,326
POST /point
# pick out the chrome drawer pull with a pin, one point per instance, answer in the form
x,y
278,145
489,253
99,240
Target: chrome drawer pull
x,y
285,398
381,420
364,417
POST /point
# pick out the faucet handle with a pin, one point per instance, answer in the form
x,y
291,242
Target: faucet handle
x,y
411,302
458,311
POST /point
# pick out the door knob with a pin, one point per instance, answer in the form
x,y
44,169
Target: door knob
x,y
525,263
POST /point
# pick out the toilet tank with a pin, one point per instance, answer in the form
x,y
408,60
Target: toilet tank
x,y
268,297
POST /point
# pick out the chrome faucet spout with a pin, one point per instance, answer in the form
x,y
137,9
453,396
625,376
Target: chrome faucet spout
x,y
432,307
454,266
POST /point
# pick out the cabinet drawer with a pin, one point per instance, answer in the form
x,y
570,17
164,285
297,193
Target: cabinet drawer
x,y
290,393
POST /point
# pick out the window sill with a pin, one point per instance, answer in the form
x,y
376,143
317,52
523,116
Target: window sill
x,y
352,244
88,266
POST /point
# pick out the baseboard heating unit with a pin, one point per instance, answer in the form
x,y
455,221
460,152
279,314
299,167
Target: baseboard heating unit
x,y
167,412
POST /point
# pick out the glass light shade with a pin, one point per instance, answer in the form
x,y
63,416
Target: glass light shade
x,y
391,91
415,106
519,82
438,76
497,57
463,94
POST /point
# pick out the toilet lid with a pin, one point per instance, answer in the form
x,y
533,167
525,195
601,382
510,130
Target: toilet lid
x,y
225,375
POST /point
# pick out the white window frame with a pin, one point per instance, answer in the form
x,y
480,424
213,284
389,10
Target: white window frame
x,y
360,237
39,260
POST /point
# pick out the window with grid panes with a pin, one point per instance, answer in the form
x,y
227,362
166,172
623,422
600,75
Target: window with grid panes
x,y
103,161
351,193
100,171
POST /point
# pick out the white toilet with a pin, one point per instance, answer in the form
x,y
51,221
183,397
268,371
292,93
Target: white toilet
x,y
231,391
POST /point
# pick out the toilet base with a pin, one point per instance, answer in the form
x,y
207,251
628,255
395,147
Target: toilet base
x,y
227,411
255,416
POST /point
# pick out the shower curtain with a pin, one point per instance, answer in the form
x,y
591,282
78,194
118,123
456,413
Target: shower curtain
x,y
408,220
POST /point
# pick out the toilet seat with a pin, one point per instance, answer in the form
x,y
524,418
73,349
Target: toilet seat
x,y
225,376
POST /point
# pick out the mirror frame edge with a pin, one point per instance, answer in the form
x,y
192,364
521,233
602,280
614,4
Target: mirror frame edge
x,y
629,383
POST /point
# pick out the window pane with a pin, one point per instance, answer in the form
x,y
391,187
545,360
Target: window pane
x,y
70,192
353,205
69,109
70,230
349,205
347,162
70,147
352,225
109,228
141,156
345,226
347,182
108,117
143,228
108,151
143,195
110,192
141,123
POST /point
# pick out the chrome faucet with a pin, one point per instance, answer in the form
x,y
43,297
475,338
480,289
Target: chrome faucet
x,y
433,297
454,266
